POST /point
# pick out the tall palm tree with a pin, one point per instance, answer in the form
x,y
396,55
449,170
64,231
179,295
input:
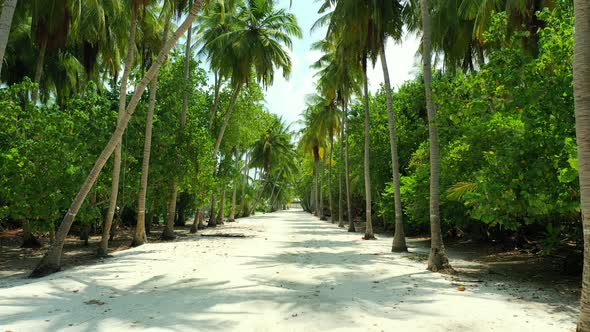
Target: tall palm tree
x,y
8,8
51,261
140,236
106,229
582,103
437,259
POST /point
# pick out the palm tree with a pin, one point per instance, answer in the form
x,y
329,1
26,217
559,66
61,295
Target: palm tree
x,y
8,8
51,261
437,259
257,42
582,103
106,230
329,123
313,142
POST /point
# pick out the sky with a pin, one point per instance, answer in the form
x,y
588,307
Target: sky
x,y
287,97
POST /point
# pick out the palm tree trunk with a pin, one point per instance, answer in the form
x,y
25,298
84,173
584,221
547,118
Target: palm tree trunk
x,y
140,236
215,99
330,178
321,186
243,212
5,23
226,119
399,238
340,171
369,223
39,68
168,232
438,259
106,229
232,211
316,199
582,103
51,261
195,225
351,227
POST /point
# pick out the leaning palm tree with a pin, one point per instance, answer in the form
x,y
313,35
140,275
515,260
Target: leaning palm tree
x,y
437,259
582,102
51,261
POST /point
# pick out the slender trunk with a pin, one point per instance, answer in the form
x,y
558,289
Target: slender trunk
x,y
331,205
368,213
140,236
228,114
351,227
195,225
215,100
316,201
232,211
51,261
168,232
242,212
438,258
106,230
321,186
340,171
582,103
39,68
5,23
399,239
221,213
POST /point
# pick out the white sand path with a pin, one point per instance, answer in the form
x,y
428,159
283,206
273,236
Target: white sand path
x,y
292,273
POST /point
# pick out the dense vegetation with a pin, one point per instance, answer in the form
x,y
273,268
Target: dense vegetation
x,y
490,141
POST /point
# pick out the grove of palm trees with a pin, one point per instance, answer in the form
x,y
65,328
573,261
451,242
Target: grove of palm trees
x,y
258,165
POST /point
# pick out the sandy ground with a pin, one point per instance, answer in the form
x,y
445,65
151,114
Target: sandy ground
x,y
291,272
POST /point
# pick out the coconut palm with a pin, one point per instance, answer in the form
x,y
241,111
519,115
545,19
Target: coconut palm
x,y
582,104
437,259
51,261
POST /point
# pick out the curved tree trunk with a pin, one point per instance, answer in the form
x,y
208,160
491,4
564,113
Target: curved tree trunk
x,y
582,102
140,236
437,259
330,178
351,227
108,221
5,23
215,100
368,213
399,238
226,119
51,261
